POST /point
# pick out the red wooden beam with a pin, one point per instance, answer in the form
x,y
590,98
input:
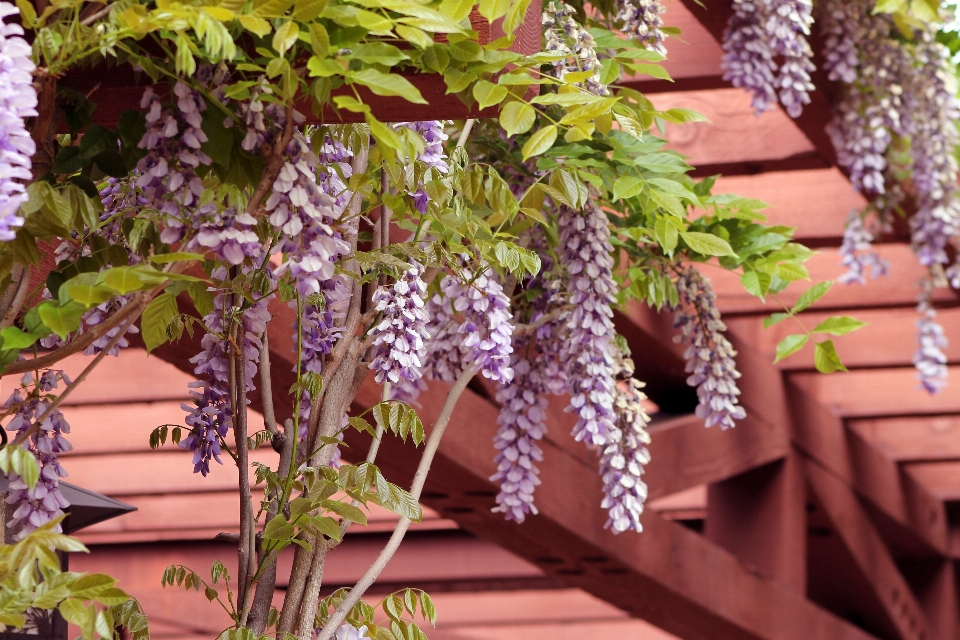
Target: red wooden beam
x,y
868,550
912,439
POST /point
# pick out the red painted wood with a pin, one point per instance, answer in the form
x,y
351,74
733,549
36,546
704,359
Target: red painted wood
x,y
760,516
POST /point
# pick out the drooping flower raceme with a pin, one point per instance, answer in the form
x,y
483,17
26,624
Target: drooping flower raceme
x,y
748,53
37,506
523,399
586,255
932,111
18,100
930,360
444,357
562,34
622,461
522,423
433,156
710,356
788,23
856,252
400,334
487,328
210,416
642,21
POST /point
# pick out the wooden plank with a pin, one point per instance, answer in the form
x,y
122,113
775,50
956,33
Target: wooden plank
x,y
113,380
916,522
761,517
733,133
802,161
913,520
713,15
872,393
210,513
912,439
790,203
935,584
898,289
895,329
871,555
122,427
686,454
942,478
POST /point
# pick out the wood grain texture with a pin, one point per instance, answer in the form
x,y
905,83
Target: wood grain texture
x,y
877,393
733,133
912,439
860,349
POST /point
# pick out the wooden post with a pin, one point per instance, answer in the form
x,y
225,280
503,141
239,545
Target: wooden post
x,y
760,517
934,582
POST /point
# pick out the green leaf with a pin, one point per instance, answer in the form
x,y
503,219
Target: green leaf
x,y
791,271
176,256
670,203
680,115
347,511
517,117
61,320
493,9
278,529
825,357
834,325
387,84
811,295
156,318
327,526
627,186
285,37
539,142
488,94
774,319
21,461
757,283
707,243
790,345
379,53
255,25
14,338
122,279
90,586
87,294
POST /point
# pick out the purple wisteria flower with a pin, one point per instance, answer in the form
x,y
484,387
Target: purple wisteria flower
x,y
522,423
932,112
487,328
38,506
300,210
710,356
856,252
537,372
930,360
167,174
433,156
400,334
18,100
642,21
563,35
788,23
229,235
748,53
585,253
622,461
211,413
445,354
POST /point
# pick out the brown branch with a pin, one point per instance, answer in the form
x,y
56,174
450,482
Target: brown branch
x,y
44,125
416,488
275,157
266,387
15,295
24,435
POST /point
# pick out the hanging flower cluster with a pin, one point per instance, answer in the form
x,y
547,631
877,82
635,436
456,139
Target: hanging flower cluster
x,y
642,21
930,360
18,100
44,502
759,33
709,354
856,252
399,336
586,256
488,325
622,461
562,34
210,416
433,156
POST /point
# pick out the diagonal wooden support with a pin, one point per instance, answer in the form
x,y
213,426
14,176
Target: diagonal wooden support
x,y
869,552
